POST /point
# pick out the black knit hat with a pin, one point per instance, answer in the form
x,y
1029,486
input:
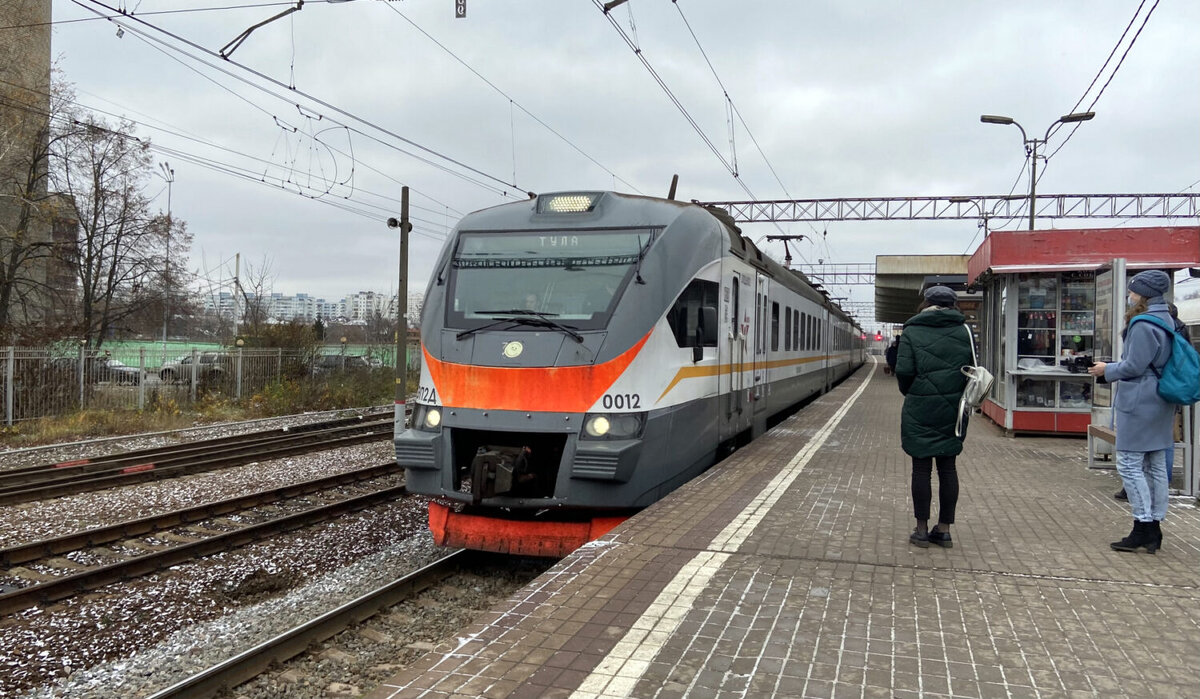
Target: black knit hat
x,y
941,296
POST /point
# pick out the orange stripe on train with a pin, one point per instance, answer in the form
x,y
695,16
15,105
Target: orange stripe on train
x,y
569,389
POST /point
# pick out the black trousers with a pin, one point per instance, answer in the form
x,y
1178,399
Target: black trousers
x,y
947,488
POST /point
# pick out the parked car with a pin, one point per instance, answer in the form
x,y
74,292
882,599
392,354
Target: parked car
x,y
326,363
116,371
98,370
209,366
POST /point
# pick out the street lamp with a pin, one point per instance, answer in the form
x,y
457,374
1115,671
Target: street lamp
x,y
169,175
1031,146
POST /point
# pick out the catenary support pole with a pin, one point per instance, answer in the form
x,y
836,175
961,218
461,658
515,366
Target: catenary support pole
x,y
402,316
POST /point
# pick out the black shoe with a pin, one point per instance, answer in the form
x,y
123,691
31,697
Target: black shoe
x,y
1156,529
1142,536
1120,495
919,539
941,539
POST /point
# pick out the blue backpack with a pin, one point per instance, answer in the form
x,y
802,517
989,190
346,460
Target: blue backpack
x,y
1179,380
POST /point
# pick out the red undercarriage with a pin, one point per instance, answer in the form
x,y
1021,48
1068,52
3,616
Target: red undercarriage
x,y
522,538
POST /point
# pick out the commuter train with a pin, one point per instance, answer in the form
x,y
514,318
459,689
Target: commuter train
x,y
586,353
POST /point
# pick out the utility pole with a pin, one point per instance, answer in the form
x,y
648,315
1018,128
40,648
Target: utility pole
x,y
169,175
401,396
237,291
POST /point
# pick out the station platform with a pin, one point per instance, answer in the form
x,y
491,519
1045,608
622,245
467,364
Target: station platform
x,y
786,571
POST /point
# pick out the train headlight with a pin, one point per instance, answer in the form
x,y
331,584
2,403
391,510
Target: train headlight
x,y
567,203
427,418
597,426
613,426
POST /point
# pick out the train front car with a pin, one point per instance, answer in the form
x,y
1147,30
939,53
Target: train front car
x,y
544,413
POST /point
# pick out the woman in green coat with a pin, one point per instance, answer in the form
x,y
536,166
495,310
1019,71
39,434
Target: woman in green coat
x,y
934,347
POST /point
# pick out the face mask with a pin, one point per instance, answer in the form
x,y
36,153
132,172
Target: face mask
x,y
1130,302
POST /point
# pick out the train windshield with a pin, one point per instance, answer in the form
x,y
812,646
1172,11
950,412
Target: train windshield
x,y
573,278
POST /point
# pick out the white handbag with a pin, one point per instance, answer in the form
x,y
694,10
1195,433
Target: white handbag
x,y
979,384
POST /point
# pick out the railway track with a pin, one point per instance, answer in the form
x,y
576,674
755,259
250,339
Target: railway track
x,y
289,644
62,587
68,478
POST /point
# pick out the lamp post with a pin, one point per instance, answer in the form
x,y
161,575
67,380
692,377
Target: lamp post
x,y
1031,146
169,175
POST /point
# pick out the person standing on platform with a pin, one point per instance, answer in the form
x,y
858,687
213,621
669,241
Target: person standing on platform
x,y
1144,421
889,357
1170,457
932,350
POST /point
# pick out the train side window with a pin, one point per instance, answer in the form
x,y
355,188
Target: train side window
x,y
733,315
693,312
787,328
774,326
796,330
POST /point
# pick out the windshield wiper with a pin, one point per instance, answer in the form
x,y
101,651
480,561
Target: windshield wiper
x,y
519,311
536,321
472,331
641,253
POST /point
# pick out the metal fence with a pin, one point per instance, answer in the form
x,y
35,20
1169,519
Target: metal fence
x,y
42,382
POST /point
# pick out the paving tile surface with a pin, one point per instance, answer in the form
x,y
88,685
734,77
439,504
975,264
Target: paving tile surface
x,y
786,571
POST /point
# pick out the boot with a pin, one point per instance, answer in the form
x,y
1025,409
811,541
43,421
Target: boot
x,y
1120,495
1157,529
1142,536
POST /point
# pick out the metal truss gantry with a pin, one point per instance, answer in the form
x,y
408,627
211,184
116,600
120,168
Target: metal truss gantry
x,y
1186,205
844,274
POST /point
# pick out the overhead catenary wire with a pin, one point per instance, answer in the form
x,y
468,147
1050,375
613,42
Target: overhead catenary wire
x,y
167,129
512,102
1113,74
166,49
641,56
124,20
733,110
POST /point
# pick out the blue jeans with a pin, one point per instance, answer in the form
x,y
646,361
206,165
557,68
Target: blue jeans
x,y
1170,462
1145,477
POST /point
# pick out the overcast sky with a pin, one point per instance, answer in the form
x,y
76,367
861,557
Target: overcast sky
x,y
846,99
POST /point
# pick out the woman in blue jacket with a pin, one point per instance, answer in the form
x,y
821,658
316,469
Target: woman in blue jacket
x,y
1144,421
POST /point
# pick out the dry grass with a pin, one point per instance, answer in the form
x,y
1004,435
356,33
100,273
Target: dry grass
x,y
350,390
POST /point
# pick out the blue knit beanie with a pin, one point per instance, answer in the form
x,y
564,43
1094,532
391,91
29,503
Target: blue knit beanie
x,y
1150,283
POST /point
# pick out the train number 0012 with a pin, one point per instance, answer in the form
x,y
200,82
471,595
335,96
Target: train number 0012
x,y
621,401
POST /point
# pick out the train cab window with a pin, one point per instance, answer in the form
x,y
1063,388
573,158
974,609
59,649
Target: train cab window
x,y
574,277
787,328
693,316
774,326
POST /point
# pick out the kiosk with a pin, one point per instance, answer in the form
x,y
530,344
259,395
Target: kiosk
x,y
1039,320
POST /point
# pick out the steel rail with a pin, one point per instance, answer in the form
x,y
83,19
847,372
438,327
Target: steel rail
x,y
253,662
163,470
23,553
368,411
61,588
27,474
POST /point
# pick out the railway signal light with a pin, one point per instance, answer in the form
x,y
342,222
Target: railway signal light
x,y
878,337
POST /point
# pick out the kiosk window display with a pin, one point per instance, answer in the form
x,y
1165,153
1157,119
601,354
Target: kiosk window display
x,y
1055,318
1049,315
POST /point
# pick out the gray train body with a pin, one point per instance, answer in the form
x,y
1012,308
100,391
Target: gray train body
x,y
595,359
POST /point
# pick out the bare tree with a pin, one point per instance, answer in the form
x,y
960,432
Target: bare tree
x,y
120,250
256,296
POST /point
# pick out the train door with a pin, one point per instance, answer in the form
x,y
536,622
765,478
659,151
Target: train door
x,y
732,379
761,322
826,337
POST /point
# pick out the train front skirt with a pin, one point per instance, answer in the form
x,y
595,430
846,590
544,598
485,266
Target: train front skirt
x,y
519,537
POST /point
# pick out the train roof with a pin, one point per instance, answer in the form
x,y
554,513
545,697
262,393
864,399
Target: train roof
x,y
546,211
